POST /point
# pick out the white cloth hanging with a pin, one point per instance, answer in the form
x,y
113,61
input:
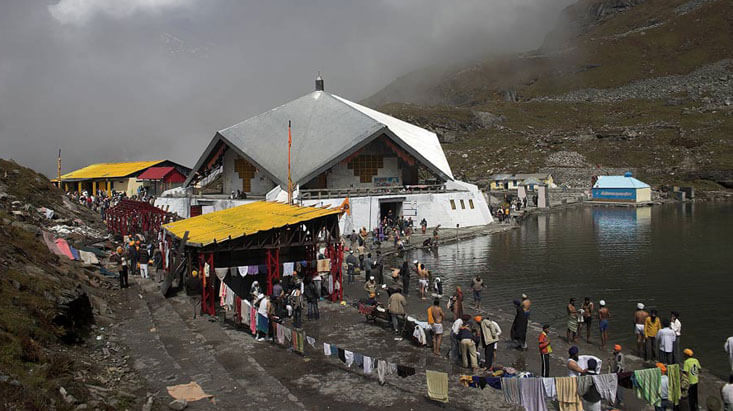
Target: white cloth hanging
x,y
349,355
242,270
221,273
368,365
327,349
288,269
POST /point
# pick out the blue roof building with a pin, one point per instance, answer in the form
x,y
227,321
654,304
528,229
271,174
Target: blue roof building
x,y
621,189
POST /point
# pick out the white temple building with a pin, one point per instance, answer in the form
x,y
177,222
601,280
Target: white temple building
x,y
340,150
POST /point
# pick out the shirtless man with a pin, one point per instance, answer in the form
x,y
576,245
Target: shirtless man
x,y
640,316
572,332
435,313
422,274
588,308
603,316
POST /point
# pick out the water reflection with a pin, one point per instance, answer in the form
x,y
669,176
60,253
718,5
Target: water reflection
x,y
671,257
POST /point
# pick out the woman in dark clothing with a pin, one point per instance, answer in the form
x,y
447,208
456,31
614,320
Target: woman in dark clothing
x,y
519,326
312,298
405,274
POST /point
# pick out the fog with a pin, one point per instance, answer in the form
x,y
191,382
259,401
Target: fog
x,y
110,80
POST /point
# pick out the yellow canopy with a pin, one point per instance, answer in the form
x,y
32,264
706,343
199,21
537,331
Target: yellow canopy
x,y
109,170
243,220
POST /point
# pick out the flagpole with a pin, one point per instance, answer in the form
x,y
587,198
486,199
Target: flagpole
x,y
290,181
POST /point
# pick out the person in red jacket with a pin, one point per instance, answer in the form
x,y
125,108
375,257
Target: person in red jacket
x,y
545,350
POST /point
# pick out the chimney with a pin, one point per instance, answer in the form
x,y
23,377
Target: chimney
x,y
319,83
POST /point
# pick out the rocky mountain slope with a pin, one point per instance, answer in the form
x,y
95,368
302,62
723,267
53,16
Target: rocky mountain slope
x,y
645,85
52,309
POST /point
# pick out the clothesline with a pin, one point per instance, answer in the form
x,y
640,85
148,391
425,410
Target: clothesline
x,y
521,389
286,269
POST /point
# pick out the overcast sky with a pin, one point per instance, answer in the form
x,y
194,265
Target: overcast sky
x,y
124,80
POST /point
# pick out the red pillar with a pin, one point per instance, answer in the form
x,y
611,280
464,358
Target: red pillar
x,y
273,267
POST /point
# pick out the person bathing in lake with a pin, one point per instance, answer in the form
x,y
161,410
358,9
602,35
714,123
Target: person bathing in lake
x,y
640,316
572,332
603,316
588,308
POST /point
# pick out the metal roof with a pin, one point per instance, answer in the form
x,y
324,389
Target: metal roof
x,y
109,170
155,173
325,129
243,220
619,182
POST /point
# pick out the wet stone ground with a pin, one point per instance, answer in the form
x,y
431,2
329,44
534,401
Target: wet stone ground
x,y
169,347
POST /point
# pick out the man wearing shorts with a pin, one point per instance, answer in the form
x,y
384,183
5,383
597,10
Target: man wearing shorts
x,y
477,285
435,318
588,308
603,316
640,316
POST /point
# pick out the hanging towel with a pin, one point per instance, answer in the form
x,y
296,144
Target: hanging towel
x,y
358,359
584,384
288,269
381,371
253,320
607,385
675,389
533,394
368,365
550,391
510,386
334,350
311,341
649,385
280,334
229,300
391,368
242,269
221,273
327,349
567,394
246,308
342,355
299,341
349,357
288,335
404,371
323,265
207,270
437,385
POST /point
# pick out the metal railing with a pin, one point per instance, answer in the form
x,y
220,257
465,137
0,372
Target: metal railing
x,y
319,193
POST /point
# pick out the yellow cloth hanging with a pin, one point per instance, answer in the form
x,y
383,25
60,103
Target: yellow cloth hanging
x,y
567,394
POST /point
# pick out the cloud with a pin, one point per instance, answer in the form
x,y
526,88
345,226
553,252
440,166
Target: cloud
x,y
124,80
79,12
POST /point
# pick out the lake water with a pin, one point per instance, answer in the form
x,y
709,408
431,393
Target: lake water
x,y
670,257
